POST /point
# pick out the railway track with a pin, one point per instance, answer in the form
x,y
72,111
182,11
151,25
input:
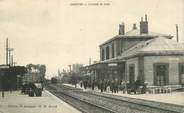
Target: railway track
x,y
82,105
110,103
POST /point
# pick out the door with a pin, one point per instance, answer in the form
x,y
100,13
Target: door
x,y
181,73
160,74
132,74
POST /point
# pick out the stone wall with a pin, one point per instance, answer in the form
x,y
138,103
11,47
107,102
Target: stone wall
x,y
115,42
173,62
133,61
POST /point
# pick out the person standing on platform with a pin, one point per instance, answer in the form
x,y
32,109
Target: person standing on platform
x,y
93,84
101,85
116,86
112,86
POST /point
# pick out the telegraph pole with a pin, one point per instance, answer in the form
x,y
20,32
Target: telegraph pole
x,y
6,51
12,60
7,65
10,56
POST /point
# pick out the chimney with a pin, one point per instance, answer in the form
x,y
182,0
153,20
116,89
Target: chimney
x,y
144,25
121,29
134,26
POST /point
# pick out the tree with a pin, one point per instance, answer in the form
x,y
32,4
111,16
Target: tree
x,y
42,69
75,78
29,67
39,69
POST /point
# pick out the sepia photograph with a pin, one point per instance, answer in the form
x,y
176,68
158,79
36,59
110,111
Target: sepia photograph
x,y
91,56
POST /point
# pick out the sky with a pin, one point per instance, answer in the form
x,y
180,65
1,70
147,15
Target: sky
x,y
57,33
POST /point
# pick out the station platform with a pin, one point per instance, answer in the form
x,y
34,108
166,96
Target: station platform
x,y
15,102
171,98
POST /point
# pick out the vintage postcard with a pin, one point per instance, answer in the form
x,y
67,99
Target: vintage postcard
x,y
92,56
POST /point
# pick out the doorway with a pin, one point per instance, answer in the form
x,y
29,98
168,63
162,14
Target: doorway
x,y
161,74
181,73
132,73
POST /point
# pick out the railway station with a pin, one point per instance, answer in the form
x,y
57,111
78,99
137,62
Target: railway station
x,y
92,56
139,72
139,54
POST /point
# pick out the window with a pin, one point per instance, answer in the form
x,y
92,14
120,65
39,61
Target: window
x,y
103,54
107,52
112,50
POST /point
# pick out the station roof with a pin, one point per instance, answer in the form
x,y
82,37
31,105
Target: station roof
x,y
135,33
157,46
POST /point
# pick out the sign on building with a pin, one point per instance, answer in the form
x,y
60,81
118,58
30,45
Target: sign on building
x,y
112,64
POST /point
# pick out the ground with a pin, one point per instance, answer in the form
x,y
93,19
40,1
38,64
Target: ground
x,y
16,102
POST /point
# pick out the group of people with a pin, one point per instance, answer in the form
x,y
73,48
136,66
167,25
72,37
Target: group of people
x,y
112,85
103,85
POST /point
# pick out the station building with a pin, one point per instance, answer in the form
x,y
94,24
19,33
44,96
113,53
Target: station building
x,y
140,54
159,61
